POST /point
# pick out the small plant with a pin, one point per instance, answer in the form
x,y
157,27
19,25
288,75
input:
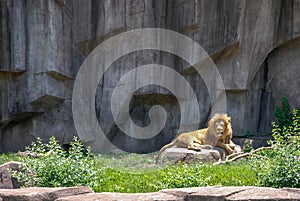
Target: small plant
x,y
58,167
248,142
248,145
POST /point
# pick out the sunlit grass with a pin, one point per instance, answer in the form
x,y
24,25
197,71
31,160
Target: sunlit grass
x,y
132,173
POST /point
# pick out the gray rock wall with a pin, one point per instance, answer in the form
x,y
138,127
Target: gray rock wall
x,y
254,44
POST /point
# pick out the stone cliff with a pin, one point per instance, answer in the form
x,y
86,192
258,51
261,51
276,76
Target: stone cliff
x,y
254,44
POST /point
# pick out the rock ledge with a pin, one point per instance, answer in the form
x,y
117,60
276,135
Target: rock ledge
x,y
192,194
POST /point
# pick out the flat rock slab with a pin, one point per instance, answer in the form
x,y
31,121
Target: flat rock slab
x,y
235,193
42,194
197,194
216,193
266,194
157,196
205,192
186,155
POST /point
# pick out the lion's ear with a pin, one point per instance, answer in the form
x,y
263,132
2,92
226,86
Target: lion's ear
x,y
229,119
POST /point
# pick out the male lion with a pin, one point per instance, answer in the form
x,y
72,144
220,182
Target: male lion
x,y
218,133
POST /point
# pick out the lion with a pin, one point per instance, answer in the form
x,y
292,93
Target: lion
x,y
218,134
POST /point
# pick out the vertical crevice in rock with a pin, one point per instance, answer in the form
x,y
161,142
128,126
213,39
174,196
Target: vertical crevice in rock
x,y
263,124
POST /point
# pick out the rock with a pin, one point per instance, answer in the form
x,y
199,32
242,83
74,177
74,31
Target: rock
x,y
219,193
243,193
44,194
223,153
6,180
29,153
158,196
256,193
205,193
186,155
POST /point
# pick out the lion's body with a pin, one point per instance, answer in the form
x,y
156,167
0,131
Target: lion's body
x,y
218,133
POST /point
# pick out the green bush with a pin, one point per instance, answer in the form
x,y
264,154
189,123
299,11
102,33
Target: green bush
x,y
280,167
58,167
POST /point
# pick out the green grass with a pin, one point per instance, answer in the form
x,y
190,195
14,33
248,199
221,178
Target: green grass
x,y
4,158
132,173
177,176
128,162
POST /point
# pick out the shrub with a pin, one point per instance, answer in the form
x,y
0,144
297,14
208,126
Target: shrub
x,y
59,167
280,167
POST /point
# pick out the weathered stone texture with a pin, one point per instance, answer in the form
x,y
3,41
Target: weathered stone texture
x,y
43,44
176,154
198,193
6,180
42,194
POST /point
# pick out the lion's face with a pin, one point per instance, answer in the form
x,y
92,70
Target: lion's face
x,y
220,124
220,127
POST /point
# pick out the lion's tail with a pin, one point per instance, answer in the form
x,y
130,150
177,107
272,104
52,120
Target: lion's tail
x,y
163,149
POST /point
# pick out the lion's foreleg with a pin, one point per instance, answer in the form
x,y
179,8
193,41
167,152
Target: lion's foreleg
x,y
225,147
231,144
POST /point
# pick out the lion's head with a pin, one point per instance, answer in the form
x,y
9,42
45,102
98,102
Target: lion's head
x,y
220,124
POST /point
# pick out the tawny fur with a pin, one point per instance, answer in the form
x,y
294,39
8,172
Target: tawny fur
x,y
207,137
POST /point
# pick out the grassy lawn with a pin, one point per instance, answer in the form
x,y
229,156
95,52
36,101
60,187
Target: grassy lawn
x,y
8,157
133,173
179,176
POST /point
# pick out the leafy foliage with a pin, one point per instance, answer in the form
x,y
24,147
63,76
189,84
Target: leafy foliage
x,y
281,165
59,167
283,113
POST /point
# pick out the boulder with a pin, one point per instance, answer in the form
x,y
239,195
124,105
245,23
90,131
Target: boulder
x,y
220,193
6,180
157,196
44,194
257,193
205,155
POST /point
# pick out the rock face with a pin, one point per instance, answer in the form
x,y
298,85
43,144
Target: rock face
x,y
254,44
205,193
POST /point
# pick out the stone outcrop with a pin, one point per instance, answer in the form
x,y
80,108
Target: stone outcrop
x,y
255,45
176,154
42,194
6,180
181,194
